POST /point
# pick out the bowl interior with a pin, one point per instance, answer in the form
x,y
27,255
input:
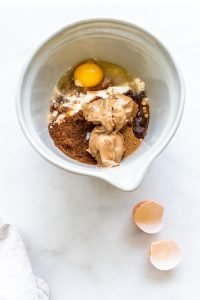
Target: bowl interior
x,y
116,42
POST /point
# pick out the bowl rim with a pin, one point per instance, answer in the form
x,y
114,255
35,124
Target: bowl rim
x,y
81,170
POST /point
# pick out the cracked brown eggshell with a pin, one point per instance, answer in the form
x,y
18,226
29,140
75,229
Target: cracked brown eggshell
x,y
148,216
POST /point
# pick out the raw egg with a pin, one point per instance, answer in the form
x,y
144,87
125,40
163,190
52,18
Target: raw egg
x,y
148,215
165,254
88,75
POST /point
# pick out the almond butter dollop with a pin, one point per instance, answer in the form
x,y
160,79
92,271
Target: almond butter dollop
x,y
111,113
107,149
106,144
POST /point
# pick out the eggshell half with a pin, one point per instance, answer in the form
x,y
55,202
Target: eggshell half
x,y
165,254
148,216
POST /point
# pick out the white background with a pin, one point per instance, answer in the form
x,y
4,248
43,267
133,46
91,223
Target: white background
x,y
78,230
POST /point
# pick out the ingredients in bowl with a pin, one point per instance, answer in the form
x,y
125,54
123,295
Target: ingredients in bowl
x,y
98,113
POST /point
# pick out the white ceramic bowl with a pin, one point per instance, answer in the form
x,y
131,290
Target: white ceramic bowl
x,y
118,42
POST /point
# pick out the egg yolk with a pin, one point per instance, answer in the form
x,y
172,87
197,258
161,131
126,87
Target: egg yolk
x,y
88,75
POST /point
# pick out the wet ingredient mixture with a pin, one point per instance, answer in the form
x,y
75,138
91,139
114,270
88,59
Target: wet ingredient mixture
x,y
98,113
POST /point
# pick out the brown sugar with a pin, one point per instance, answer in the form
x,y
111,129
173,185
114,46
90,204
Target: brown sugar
x,y
131,143
72,137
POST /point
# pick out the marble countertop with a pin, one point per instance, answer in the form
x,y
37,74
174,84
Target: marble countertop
x,y
84,244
